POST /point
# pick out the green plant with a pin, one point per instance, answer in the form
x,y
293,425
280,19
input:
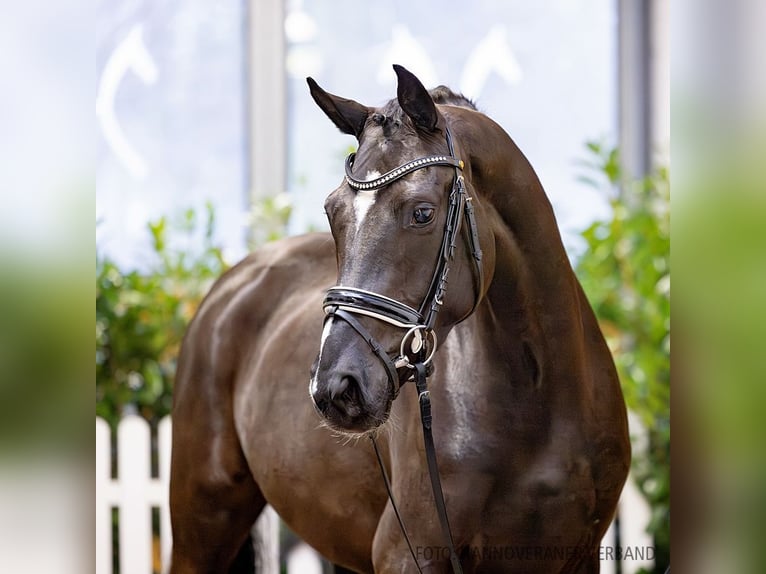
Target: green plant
x,y
141,317
625,271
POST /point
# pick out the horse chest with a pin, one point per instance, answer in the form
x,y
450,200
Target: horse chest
x,y
515,478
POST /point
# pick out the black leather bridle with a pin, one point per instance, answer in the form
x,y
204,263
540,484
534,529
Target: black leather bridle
x,y
345,303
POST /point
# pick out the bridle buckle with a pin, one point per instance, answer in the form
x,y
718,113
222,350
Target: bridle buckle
x,y
419,335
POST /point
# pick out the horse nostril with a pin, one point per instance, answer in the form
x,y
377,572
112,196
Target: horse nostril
x,y
343,390
337,387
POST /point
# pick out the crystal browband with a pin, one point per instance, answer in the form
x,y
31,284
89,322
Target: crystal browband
x,y
401,171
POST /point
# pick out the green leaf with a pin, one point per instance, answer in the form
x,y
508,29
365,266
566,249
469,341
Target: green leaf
x,y
157,229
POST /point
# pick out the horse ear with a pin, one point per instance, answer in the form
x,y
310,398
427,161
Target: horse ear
x,y
349,116
415,99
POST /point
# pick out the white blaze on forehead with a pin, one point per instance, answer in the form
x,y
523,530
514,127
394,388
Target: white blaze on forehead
x,y
364,200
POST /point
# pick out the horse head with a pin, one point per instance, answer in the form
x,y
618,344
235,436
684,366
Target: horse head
x,y
404,220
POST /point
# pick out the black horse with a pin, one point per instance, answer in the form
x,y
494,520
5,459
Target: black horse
x,y
529,420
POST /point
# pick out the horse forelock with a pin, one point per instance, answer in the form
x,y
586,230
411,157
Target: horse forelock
x,y
390,139
441,95
390,123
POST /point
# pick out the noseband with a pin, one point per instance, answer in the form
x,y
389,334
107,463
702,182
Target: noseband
x,y
347,302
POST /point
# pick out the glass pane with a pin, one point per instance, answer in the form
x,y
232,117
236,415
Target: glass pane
x,y
545,71
171,106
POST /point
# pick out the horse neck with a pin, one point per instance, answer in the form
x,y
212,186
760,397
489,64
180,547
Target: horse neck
x,y
534,290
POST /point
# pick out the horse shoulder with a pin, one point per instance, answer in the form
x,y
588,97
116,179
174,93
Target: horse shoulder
x,y
609,441
231,317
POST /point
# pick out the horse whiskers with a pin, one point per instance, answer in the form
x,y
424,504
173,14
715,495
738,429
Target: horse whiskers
x,y
391,425
323,424
346,437
343,437
387,424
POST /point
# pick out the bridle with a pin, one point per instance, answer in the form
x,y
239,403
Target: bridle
x,y
345,303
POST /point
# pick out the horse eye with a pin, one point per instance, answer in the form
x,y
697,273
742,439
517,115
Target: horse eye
x,y
422,215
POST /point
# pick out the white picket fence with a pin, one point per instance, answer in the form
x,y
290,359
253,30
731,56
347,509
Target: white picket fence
x,y
135,493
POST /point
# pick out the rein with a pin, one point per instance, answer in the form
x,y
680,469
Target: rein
x,y
419,343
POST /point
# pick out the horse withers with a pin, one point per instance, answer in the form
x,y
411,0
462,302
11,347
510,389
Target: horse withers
x,y
443,251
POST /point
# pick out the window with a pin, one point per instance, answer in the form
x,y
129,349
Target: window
x,y
545,71
171,108
182,91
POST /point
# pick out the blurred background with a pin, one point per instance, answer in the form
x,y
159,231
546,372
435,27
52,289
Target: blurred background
x,y
209,145
175,74
50,143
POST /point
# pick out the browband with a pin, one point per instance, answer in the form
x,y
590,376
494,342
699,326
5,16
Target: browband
x,y
391,176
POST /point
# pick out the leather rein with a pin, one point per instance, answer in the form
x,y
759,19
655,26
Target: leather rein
x,y
419,343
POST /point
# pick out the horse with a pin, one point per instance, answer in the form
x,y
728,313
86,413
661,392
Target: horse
x,y
302,353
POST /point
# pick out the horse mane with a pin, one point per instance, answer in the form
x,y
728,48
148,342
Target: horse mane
x,y
440,95
444,95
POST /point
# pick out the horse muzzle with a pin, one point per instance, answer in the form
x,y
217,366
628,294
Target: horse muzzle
x,y
350,392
